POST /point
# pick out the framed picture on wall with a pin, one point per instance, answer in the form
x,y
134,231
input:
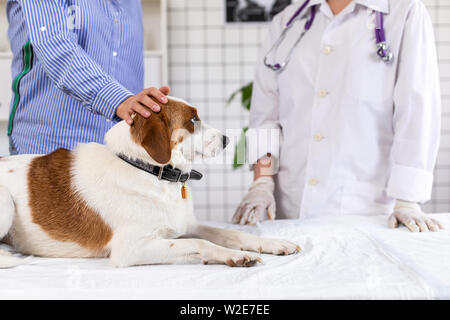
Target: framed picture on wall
x,y
241,11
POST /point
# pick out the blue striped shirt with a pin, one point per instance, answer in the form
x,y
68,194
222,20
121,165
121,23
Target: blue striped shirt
x,y
74,62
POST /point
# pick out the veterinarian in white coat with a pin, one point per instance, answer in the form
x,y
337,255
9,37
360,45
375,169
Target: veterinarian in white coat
x,y
359,135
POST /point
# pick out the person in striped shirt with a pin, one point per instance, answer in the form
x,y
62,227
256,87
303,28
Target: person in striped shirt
x,y
77,70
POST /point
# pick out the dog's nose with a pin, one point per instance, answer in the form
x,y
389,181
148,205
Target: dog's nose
x,y
225,141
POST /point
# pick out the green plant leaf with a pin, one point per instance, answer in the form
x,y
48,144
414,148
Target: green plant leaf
x,y
246,95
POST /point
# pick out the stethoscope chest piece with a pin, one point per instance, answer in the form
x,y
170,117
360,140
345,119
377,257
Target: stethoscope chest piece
x,y
384,52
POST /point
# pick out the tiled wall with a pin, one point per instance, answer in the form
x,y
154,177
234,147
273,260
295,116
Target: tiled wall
x,y
209,60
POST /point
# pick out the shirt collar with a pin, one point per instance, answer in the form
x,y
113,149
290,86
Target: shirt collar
x,y
377,5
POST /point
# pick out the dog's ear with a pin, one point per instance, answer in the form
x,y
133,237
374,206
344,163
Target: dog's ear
x,y
156,138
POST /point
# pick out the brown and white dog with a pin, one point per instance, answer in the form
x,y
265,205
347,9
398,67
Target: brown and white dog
x,y
90,203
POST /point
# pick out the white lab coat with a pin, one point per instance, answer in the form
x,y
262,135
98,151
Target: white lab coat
x,y
356,132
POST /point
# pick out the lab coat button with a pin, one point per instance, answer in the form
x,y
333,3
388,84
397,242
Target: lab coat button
x,y
313,182
323,93
327,50
318,137
114,53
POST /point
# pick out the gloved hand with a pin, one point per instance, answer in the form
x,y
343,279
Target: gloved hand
x,y
411,215
257,203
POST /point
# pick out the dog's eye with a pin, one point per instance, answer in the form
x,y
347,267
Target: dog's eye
x,y
195,119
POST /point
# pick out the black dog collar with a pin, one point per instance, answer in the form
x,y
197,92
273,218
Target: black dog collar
x,y
167,173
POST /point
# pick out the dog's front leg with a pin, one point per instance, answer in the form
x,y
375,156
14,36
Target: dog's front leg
x,y
175,251
243,241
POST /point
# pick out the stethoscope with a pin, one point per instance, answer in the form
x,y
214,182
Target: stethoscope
x,y
383,50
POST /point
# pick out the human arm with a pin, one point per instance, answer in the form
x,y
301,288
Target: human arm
x,y
66,63
417,117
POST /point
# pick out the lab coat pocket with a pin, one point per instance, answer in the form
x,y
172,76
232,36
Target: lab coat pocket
x,y
370,80
362,198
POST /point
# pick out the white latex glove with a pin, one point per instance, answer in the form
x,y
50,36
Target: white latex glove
x,y
411,215
257,203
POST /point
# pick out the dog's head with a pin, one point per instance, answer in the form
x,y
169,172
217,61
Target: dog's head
x,y
177,128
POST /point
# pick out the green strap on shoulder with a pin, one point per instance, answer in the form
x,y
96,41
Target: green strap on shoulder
x,y
27,52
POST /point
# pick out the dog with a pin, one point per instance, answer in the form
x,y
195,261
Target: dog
x,y
124,200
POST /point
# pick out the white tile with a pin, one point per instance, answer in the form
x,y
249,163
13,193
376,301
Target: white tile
x,y
197,55
232,55
216,4
445,87
177,37
237,111
215,73
233,73
197,91
217,109
235,197
215,90
179,91
249,70
443,33
196,18
177,4
442,2
195,3
215,18
444,70
214,55
196,73
214,37
250,36
441,193
446,108
444,51
177,18
177,55
178,73
250,55
429,3
443,15
196,37
232,36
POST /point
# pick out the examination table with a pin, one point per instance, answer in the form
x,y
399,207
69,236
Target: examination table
x,y
342,257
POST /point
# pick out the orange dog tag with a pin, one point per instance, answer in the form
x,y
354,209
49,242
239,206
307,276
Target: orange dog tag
x,y
183,192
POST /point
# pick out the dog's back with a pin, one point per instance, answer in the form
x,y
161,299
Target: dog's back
x,y
41,214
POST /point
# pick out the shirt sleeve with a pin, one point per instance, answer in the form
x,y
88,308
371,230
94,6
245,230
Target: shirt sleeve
x,y
417,110
67,65
264,130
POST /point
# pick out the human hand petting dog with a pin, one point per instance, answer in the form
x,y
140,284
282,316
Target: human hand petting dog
x,y
411,215
142,103
258,203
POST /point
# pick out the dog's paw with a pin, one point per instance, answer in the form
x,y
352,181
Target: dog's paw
x,y
242,259
5,253
278,247
234,258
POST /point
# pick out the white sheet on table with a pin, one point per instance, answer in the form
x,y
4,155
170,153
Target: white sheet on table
x,y
346,257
